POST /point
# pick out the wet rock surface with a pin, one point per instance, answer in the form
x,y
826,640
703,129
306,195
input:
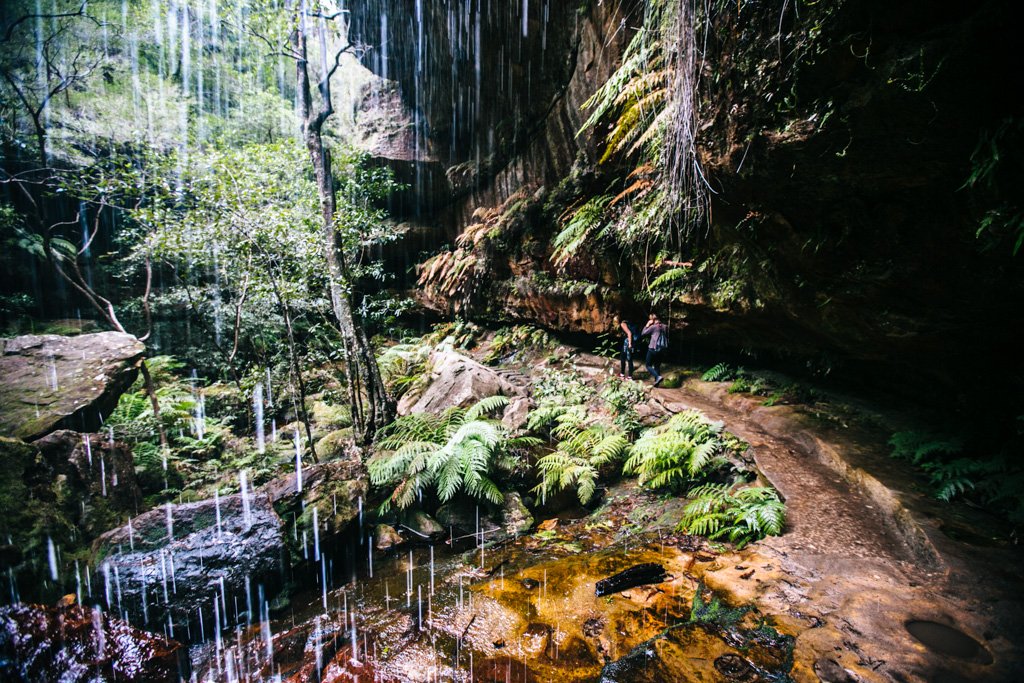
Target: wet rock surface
x,y
94,467
179,559
71,643
335,489
52,382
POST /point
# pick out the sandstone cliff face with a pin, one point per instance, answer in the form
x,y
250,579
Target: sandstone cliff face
x,y
836,142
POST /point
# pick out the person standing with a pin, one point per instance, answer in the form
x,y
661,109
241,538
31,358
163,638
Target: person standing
x,y
658,332
630,339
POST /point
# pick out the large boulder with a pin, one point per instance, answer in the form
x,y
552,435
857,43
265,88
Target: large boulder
x,y
58,493
72,643
94,468
52,382
179,559
457,381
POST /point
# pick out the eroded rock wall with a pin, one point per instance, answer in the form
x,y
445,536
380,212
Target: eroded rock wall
x,y
837,142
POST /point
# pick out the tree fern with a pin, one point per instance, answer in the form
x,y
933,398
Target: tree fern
x,y
747,515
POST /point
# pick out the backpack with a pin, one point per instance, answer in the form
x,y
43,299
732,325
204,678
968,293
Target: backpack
x,y
662,342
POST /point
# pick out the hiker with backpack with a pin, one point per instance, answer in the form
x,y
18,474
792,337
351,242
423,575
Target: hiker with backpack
x,y
658,332
630,342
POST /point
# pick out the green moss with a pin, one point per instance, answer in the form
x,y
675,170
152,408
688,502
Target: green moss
x,y
328,416
333,445
672,380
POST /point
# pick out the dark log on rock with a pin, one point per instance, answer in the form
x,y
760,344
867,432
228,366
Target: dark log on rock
x,y
637,575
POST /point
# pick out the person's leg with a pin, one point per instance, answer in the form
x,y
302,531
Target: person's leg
x,y
623,357
649,363
629,361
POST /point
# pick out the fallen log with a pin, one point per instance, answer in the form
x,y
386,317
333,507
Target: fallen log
x,y
637,575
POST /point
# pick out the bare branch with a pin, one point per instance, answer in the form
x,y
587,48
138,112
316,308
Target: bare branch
x,y
60,15
145,295
95,228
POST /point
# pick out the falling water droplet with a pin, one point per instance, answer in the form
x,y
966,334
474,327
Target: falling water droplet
x,y
51,552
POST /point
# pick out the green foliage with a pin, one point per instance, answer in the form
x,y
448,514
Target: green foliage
x,y
673,454
996,174
995,479
460,449
934,454
405,367
722,372
919,447
562,386
637,93
461,334
520,338
580,228
558,393
745,515
713,612
670,285
583,449
623,396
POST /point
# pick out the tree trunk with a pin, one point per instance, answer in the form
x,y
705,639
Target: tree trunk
x,y
371,407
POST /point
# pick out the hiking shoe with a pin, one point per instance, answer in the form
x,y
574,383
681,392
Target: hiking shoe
x,y
658,381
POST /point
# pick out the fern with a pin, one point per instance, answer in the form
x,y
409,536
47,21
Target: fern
x,y
721,372
747,515
667,285
405,367
577,230
581,453
458,449
920,447
673,454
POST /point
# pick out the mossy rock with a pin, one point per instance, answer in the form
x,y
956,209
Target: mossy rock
x,y
16,459
333,445
328,416
672,380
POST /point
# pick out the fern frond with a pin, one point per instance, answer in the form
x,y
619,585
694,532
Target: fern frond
x,y
485,406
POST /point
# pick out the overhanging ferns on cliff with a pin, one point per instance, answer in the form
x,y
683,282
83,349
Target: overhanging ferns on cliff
x,y
651,95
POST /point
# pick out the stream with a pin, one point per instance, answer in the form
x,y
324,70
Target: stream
x,y
523,610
